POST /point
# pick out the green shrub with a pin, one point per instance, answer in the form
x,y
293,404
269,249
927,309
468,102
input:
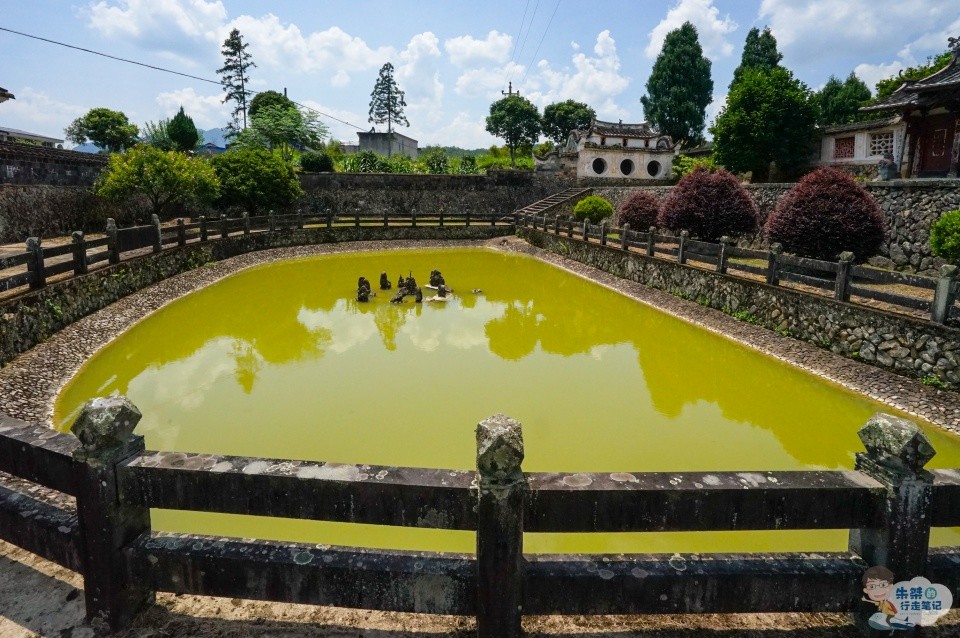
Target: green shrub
x,y
684,164
365,162
467,166
435,161
400,163
593,208
945,236
825,214
256,180
315,162
709,205
544,149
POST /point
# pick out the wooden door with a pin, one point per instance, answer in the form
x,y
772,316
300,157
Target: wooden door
x,y
937,144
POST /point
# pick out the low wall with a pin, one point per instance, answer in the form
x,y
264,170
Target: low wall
x,y
27,164
910,207
31,318
908,346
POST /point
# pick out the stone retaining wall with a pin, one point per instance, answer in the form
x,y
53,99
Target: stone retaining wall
x,y
31,318
910,207
907,346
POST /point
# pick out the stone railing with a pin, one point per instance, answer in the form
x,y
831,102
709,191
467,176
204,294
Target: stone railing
x,y
889,503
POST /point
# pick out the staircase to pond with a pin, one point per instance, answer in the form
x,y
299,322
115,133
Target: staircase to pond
x,y
564,197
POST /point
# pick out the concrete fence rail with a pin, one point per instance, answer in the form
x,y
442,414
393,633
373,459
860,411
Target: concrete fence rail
x,y
889,502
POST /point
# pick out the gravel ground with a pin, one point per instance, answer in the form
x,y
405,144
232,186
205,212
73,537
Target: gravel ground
x,y
38,598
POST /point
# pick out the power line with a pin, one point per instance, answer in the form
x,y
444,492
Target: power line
x,y
165,70
534,59
520,31
529,26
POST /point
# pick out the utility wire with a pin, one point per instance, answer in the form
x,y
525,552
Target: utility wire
x,y
529,27
534,59
164,70
513,55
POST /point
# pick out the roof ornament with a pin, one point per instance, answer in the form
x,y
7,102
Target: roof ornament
x,y
954,45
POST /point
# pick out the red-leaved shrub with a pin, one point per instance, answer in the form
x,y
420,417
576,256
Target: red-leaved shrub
x,y
709,205
825,214
640,210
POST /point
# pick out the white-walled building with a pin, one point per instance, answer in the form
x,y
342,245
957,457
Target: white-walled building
x,y
622,151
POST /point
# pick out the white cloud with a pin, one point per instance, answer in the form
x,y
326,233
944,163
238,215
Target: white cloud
x,y
276,45
594,79
712,29
466,50
466,130
345,133
37,112
487,82
207,111
417,74
168,26
713,109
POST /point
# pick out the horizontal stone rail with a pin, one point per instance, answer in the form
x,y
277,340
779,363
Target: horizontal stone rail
x,y
889,502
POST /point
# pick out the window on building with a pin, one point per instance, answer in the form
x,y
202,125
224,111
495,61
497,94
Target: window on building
x,y
599,166
603,141
881,143
626,167
653,168
843,148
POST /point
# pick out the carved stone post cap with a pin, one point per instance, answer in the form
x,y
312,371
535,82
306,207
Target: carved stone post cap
x,y
499,446
653,229
948,271
106,422
77,235
684,233
846,256
111,223
896,442
155,218
725,239
33,243
776,247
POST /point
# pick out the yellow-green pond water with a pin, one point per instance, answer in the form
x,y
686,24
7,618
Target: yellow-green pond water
x,y
280,361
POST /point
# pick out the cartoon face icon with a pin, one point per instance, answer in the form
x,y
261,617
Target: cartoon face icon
x,y
877,589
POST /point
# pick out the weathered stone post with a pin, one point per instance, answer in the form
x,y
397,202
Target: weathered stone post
x,y
246,223
299,219
896,452
682,247
773,264
441,218
79,252
651,241
603,233
944,295
570,226
356,218
35,265
386,219
624,240
271,221
224,229
586,230
556,225
203,228
181,233
493,219
413,218
105,429
722,257
157,233
113,245
841,288
468,220
329,219
500,504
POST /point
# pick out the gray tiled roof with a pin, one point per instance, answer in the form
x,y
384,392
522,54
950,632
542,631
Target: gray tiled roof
x,y
911,92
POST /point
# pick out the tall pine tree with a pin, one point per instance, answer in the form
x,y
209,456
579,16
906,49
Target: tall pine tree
x,y
387,102
183,132
234,77
759,52
679,88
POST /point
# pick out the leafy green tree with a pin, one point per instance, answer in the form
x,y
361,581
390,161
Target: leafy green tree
x,y
679,88
434,160
560,118
517,121
269,98
235,76
165,178
838,102
282,128
769,117
255,179
934,63
183,132
110,130
157,135
759,52
387,102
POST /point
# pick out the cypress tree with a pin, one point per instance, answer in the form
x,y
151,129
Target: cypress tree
x,y
679,88
183,132
759,52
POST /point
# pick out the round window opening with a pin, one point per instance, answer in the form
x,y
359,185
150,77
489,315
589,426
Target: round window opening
x,y
599,165
653,168
626,167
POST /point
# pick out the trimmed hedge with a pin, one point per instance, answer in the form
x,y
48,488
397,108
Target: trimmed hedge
x,y
593,208
825,214
316,162
709,204
640,210
945,236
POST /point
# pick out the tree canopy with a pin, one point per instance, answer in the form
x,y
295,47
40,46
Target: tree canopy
x,y
255,179
839,102
235,76
769,117
387,100
269,98
516,120
183,132
934,63
560,118
110,130
759,52
679,88
165,178
282,128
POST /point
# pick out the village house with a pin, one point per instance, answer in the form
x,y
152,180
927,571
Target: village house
x,y
613,150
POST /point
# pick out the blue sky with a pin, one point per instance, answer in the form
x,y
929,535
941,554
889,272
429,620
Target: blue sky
x,y
453,58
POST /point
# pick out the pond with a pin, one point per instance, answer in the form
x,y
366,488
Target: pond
x,y
281,361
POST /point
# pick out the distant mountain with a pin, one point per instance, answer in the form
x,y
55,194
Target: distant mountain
x,y
215,136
